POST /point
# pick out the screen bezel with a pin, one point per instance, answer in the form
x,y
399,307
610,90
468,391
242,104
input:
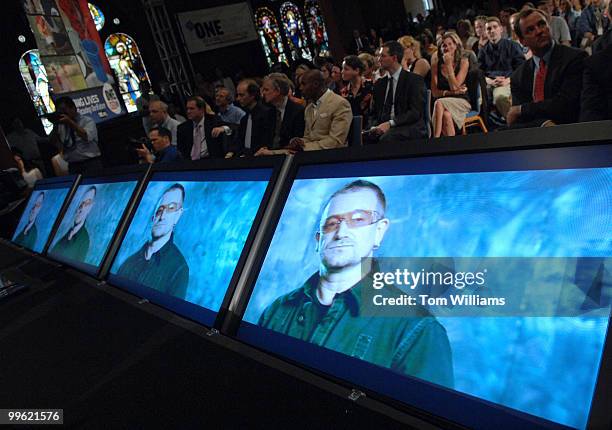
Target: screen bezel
x,y
71,182
186,309
564,138
138,174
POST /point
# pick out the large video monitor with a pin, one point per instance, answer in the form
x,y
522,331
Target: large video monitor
x,y
476,287
187,238
89,224
41,212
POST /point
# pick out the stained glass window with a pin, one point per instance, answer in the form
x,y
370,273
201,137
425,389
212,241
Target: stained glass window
x,y
125,59
270,36
35,79
294,31
316,25
97,15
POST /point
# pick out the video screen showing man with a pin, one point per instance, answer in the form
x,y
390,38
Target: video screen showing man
x,y
327,309
160,264
74,245
28,236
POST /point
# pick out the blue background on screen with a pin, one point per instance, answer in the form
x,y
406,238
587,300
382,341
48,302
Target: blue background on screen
x,y
54,198
543,366
211,233
109,204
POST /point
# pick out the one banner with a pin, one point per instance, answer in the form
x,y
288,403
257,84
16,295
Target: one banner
x,y
72,54
217,27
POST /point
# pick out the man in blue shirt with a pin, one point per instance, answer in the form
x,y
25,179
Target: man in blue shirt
x,y
498,59
77,138
164,151
228,112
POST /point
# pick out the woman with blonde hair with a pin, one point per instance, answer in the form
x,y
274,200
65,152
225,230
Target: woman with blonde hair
x,y
413,61
449,69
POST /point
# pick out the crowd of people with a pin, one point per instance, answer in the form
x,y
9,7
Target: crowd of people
x,y
542,65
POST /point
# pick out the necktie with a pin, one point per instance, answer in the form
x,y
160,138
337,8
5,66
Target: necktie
x,y
388,106
538,87
277,129
196,149
249,132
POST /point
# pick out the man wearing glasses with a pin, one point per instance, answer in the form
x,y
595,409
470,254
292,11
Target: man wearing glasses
x,y
159,263
29,234
328,311
75,243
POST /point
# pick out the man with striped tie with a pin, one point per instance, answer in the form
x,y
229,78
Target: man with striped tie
x,y
201,136
545,89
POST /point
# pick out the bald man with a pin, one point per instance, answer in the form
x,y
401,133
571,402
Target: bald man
x,y
328,116
158,113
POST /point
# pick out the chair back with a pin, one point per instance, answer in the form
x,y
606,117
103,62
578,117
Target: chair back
x,y
427,112
354,136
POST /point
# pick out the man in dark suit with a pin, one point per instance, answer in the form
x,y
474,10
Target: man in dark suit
x,y
288,115
399,100
257,126
360,43
545,89
200,136
596,99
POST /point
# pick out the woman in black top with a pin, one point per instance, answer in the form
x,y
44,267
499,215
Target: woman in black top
x,y
358,91
448,73
413,61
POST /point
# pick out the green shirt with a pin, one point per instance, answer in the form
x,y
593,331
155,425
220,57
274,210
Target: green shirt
x,y
415,344
74,249
27,240
166,271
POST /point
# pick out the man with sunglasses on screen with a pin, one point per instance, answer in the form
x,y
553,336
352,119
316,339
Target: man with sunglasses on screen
x,y
159,264
74,245
328,310
28,236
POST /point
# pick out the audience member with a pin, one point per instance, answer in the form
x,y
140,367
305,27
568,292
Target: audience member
x,y
448,73
375,40
546,87
257,126
591,24
413,61
480,28
288,116
328,116
504,19
142,104
399,100
428,44
559,29
360,43
25,140
163,150
174,113
358,91
29,173
570,15
224,81
227,111
77,138
466,33
596,99
369,63
526,51
336,76
200,136
606,39
498,59
158,113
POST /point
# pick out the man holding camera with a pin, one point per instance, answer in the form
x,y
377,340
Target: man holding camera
x,y
76,137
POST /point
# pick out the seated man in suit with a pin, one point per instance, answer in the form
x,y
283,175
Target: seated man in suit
x,y
328,116
545,89
257,126
200,136
399,100
289,116
596,99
